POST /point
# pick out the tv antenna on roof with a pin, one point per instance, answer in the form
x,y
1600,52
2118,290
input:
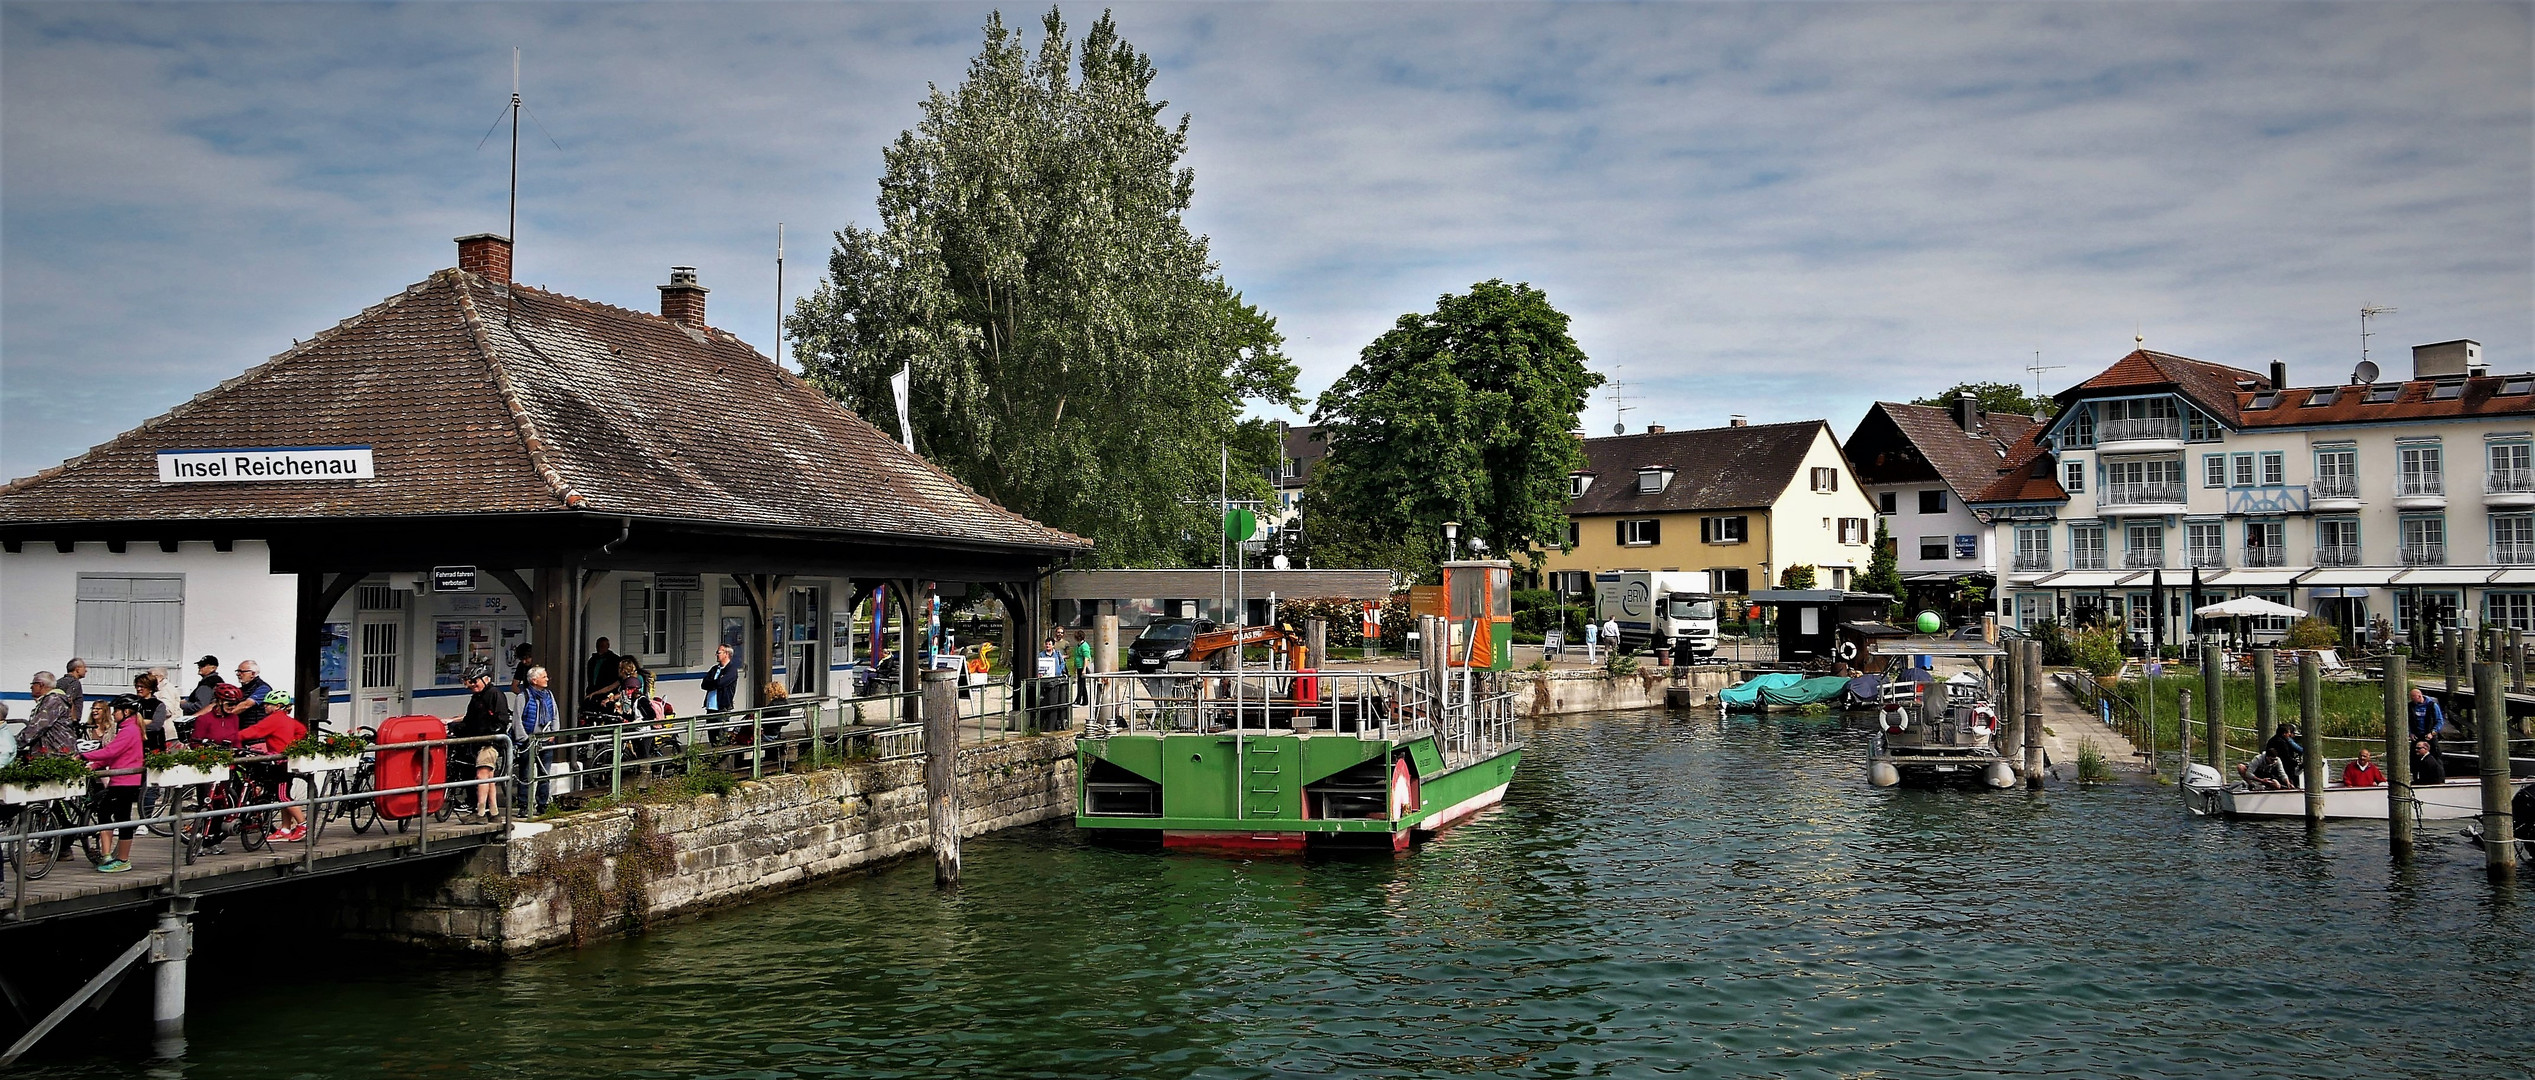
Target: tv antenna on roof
x,y
512,110
2037,367
2367,312
1619,412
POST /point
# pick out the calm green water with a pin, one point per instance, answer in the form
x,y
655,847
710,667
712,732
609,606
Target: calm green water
x,y
1657,896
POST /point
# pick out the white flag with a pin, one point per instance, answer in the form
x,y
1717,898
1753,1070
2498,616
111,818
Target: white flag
x,y
898,389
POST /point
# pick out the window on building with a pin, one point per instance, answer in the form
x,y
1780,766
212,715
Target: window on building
x,y
2439,606
125,624
2447,391
1932,502
2272,624
1652,481
2073,477
1935,548
2203,429
2079,433
2214,470
1839,577
2207,542
1578,484
2424,541
2513,539
2265,543
1721,530
2336,473
1888,502
2511,469
1826,479
2143,544
2033,547
2337,542
1732,579
2509,610
2275,469
662,626
2086,547
1639,532
2244,470
1853,531
1293,467
2421,471
1575,534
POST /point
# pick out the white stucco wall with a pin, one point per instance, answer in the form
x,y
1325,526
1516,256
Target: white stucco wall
x,y
235,608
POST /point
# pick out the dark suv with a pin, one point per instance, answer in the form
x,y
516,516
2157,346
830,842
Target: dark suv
x,y
1163,641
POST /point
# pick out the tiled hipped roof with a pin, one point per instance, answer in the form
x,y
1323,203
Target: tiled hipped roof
x,y
2027,474
1967,462
1713,468
2417,399
476,397
2211,386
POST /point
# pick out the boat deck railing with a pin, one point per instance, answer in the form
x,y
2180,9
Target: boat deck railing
x,y
1469,723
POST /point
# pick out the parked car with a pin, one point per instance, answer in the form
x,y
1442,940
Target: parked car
x,y
1163,641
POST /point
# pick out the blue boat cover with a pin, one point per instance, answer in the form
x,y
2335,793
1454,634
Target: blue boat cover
x,y
1780,688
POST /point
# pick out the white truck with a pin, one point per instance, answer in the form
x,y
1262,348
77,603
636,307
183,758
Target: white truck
x,y
1659,608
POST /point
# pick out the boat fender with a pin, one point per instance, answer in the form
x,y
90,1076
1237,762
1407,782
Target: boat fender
x,y
1882,774
2000,775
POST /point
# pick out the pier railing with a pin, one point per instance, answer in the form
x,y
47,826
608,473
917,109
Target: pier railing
x,y
1469,722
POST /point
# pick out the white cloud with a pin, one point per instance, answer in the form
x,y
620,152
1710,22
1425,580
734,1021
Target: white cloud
x,y
1782,210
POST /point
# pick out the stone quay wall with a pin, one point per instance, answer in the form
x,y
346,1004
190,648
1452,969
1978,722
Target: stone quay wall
x,y
1583,690
601,873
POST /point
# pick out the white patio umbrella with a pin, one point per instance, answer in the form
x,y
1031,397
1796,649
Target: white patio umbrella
x,y
2248,607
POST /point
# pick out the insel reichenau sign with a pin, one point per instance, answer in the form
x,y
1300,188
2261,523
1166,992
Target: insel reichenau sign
x,y
265,463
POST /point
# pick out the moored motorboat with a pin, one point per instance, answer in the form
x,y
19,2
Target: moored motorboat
x,y
2204,794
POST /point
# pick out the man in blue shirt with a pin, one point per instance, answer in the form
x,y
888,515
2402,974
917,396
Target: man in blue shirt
x,y
2428,720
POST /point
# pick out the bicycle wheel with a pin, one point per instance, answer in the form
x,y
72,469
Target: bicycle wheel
x,y
154,803
198,832
364,812
36,858
255,825
81,812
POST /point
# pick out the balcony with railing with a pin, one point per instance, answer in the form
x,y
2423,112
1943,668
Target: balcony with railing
x,y
2424,553
2209,558
2149,559
2513,552
2420,491
2159,498
2140,434
2336,554
2032,562
2340,488
2509,487
2086,559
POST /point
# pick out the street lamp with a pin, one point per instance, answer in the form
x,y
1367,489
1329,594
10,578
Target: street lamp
x,y
1452,539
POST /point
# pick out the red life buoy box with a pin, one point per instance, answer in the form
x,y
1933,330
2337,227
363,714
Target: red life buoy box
x,y
407,767
1307,687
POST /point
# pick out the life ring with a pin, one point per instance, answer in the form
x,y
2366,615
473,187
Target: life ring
x,y
1846,652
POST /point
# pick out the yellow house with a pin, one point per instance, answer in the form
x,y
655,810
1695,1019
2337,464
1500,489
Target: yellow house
x,y
1744,502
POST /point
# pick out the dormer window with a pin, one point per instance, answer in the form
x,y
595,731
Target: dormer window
x,y
1578,484
1653,479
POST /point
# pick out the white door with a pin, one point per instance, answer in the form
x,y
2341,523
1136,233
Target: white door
x,y
379,692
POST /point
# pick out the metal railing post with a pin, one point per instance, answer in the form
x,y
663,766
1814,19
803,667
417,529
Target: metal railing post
x,y
757,744
616,760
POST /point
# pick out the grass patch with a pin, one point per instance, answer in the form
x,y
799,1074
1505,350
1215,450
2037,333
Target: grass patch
x,y
2350,710
2091,766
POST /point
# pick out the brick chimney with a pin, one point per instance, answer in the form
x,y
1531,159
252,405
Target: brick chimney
x,y
486,255
682,299
1737,420
1654,429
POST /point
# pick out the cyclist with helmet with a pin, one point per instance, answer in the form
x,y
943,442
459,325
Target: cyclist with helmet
x,y
122,750
272,735
219,724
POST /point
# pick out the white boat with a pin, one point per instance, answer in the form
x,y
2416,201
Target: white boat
x,y
2457,798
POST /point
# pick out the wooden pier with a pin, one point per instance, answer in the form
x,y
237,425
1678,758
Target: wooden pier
x,y
75,888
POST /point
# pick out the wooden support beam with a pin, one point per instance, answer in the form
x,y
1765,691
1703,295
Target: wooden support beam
x,y
318,594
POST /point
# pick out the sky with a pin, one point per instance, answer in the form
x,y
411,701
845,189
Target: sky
x,y
1782,210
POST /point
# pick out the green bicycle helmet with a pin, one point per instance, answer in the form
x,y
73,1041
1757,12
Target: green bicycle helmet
x,y
278,699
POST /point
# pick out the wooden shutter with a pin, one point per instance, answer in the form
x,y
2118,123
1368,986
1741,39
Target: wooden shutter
x,y
691,629
1654,530
632,613
1707,530
1622,536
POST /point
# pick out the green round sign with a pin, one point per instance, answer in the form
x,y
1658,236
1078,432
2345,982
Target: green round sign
x,y
1239,525
1929,623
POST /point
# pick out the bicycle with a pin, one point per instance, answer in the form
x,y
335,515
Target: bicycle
x,y
34,858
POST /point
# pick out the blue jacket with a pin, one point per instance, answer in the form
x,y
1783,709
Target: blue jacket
x,y
2427,718
537,710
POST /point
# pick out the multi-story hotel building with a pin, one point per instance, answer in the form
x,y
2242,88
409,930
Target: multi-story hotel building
x,y
2363,500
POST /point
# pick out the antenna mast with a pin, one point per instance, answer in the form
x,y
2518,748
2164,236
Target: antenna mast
x,y
1619,412
514,221
778,357
2037,367
2367,312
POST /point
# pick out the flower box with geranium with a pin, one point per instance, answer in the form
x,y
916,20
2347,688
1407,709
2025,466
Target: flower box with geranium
x,y
319,753
184,768
43,777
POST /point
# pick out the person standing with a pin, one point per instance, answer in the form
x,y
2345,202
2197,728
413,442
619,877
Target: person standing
x,y
2428,720
251,682
1082,664
523,658
537,715
121,794
1592,641
52,726
71,686
602,675
721,682
1611,635
273,733
205,691
155,730
488,714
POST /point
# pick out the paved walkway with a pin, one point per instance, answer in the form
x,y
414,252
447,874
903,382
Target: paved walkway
x,y
2067,726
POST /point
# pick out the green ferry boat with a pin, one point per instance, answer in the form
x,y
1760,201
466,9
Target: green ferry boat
x,y
1286,758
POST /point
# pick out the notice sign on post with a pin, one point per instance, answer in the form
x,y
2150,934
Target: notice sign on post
x,y
453,579
265,463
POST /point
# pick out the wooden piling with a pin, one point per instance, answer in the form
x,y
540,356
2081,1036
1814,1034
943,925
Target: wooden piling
x,y
2183,722
2451,662
2491,734
2266,694
2310,731
941,771
2400,812
2517,659
2214,687
2031,661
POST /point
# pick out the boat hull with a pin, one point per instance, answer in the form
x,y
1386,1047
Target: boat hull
x,y
1281,793
2454,800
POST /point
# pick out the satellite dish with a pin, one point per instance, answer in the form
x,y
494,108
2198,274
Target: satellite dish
x,y
2366,372
1619,429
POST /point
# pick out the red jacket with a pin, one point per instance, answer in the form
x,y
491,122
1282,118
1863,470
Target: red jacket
x,y
2356,774
274,734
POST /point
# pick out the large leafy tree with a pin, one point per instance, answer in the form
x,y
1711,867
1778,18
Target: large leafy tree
x,y
1076,355
1997,397
1467,414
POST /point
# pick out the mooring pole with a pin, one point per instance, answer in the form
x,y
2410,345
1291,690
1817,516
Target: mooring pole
x,y
2399,809
2451,661
2310,730
171,944
2491,733
941,771
2183,722
2266,694
2030,662
2517,659
2214,687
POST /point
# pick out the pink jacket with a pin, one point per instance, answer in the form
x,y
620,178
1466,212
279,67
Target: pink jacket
x,y
121,752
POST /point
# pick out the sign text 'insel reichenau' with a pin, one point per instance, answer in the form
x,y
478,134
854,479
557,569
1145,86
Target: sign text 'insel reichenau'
x,y
265,463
